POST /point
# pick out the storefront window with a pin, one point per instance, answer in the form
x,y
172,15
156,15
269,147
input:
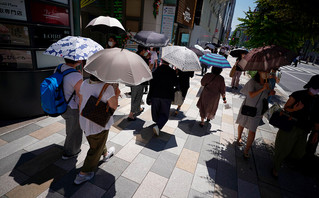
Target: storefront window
x,y
45,36
14,35
15,59
185,39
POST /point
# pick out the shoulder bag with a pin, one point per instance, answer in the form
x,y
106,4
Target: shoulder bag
x,y
96,110
249,110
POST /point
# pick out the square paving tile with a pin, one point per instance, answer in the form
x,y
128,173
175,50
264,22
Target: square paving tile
x,y
204,180
138,169
187,160
175,145
123,137
47,131
122,188
11,180
165,164
245,188
194,143
154,148
88,190
46,142
21,132
130,151
152,186
179,184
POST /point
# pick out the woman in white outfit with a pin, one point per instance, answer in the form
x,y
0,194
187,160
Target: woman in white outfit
x,y
95,134
236,76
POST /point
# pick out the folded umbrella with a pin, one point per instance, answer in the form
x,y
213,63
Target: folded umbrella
x,y
106,24
74,48
214,60
238,52
181,57
115,65
266,58
151,39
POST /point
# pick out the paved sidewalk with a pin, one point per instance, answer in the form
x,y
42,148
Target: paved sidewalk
x,y
184,161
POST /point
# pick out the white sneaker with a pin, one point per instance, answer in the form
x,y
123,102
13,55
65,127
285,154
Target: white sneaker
x,y
156,130
110,153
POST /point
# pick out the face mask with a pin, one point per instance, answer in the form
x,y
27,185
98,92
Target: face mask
x,y
146,53
314,91
110,43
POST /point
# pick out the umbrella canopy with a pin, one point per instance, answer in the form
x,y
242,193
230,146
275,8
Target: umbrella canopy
x,y
197,51
215,60
151,39
74,48
199,47
181,57
106,24
266,58
238,52
115,65
211,46
215,44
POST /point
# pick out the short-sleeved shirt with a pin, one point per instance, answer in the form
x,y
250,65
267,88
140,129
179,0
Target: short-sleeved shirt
x,y
309,114
87,89
153,57
69,81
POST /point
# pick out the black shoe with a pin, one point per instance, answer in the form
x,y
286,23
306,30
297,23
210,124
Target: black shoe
x,y
131,119
66,157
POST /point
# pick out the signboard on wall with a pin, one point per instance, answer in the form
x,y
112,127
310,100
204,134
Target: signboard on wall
x,y
13,9
45,13
186,12
14,34
45,36
15,59
168,21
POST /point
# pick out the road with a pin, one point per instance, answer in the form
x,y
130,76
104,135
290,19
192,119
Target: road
x,y
294,78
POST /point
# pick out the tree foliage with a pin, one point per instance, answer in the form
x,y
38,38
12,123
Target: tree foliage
x,y
287,23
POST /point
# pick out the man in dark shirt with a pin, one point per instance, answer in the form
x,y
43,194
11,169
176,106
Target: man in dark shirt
x,y
161,94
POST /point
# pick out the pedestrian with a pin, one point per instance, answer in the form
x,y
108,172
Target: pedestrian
x,y
153,59
204,69
295,61
236,76
111,42
226,53
304,107
314,59
95,134
183,79
71,89
137,90
255,90
214,87
161,94
274,77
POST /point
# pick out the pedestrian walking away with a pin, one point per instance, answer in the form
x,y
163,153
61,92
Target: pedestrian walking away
x,y
303,106
255,90
214,87
236,76
95,134
183,79
161,94
137,91
72,83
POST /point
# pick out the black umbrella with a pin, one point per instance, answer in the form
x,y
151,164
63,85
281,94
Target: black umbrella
x,y
151,39
197,51
238,52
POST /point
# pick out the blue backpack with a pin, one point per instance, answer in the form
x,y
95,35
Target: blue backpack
x,y
53,101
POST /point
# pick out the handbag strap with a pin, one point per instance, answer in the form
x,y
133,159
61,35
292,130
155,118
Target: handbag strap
x,y
257,100
101,93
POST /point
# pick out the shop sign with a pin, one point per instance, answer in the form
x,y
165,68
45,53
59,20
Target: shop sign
x,y
44,36
13,9
186,12
15,59
168,21
14,34
45,13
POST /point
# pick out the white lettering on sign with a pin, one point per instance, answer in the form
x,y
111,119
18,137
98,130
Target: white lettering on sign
x,y
187,15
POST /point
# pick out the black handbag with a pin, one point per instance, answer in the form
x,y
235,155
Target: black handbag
x,y
249,110
282,120
96,110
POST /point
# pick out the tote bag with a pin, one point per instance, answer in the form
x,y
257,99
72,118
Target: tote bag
x,y
96,110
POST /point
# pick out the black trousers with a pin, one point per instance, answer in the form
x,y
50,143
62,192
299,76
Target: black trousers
x,y
160,111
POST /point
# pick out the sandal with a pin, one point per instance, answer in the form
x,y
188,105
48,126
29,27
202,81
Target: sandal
x,y
201,124
239,143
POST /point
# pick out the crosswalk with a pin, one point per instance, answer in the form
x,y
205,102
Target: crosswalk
x,y
299,70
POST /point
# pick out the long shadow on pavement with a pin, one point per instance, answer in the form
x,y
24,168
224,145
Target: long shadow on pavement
x,y
43,169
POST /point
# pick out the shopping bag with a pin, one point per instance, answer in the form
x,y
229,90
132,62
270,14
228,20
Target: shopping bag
x,y
178,98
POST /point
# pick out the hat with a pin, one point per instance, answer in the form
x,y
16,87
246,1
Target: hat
x,y
313,82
